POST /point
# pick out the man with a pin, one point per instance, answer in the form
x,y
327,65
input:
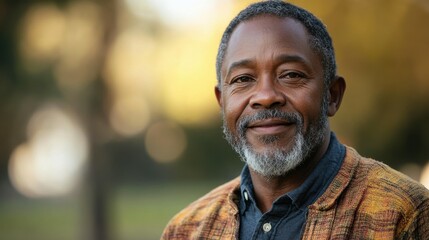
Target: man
x,y
277,85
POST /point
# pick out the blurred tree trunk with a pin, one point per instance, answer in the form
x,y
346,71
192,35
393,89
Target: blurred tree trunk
x,y
99,171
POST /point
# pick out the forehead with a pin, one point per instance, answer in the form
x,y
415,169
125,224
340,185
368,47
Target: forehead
x,y
265,35
265,24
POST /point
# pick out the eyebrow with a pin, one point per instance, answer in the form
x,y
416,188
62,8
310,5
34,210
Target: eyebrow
x,y
238,64
284,58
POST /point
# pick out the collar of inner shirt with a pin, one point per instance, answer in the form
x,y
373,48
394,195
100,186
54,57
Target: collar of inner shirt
x,y
308,192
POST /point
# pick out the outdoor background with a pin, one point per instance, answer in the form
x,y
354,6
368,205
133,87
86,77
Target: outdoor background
x,y
109,124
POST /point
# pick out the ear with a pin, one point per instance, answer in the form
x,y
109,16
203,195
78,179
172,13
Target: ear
x,y
218,94
336,93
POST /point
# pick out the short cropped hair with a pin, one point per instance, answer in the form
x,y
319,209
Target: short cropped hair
x,y
319,38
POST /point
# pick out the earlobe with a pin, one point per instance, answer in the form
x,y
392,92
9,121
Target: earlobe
x,y
218,94
336,93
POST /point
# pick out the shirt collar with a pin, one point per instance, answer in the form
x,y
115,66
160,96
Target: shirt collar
x,y
321,176
312,188
246,190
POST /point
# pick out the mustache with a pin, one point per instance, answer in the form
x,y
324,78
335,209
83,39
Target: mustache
x,y
291,117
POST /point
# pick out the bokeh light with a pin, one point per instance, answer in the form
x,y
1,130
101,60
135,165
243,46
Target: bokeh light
x,y
180,13
188,79
130,63
78,60
129,115
176,80
52,161
165,141
42,33
130,80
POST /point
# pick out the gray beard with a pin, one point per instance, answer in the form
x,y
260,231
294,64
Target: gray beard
x,y
274,160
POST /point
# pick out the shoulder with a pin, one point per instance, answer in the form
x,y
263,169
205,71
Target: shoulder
x,y
379,183
218,196
215,206
384,182
373,186
388,196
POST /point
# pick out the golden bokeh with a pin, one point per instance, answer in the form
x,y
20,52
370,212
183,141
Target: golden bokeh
x,y
129,115
187,79
79,56
165,141
42,33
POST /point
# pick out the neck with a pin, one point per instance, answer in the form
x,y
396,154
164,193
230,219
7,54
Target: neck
x,y
268,189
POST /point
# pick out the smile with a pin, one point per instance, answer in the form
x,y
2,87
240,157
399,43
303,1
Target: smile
x,y
269,126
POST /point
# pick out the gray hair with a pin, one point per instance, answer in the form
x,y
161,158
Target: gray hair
x,y
319,38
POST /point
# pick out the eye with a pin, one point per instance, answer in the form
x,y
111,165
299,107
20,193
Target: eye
x,y
292,75
241,79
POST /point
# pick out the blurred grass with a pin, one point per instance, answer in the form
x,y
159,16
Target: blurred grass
x,y
137,212
142,213
39,219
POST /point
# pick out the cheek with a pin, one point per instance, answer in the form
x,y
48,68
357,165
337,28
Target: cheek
x,y
233,109
308,104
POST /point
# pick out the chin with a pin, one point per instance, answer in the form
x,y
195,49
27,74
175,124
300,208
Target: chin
x,y
275,161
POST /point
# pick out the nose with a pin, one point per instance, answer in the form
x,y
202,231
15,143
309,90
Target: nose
x,y
267,95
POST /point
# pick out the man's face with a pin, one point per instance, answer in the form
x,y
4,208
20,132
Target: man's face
x,y
272,94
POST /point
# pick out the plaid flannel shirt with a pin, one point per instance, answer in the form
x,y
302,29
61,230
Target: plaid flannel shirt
x,y
366,200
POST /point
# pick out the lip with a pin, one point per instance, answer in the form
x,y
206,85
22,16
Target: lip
x,y
269,126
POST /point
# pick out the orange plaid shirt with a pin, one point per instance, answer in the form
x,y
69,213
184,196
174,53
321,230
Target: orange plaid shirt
x,y
366,200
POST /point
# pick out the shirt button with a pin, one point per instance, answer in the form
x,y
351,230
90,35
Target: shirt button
x,y
246,196
266,227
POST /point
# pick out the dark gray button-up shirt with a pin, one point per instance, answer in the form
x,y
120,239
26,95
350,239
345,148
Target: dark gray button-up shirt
x,y
287,216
